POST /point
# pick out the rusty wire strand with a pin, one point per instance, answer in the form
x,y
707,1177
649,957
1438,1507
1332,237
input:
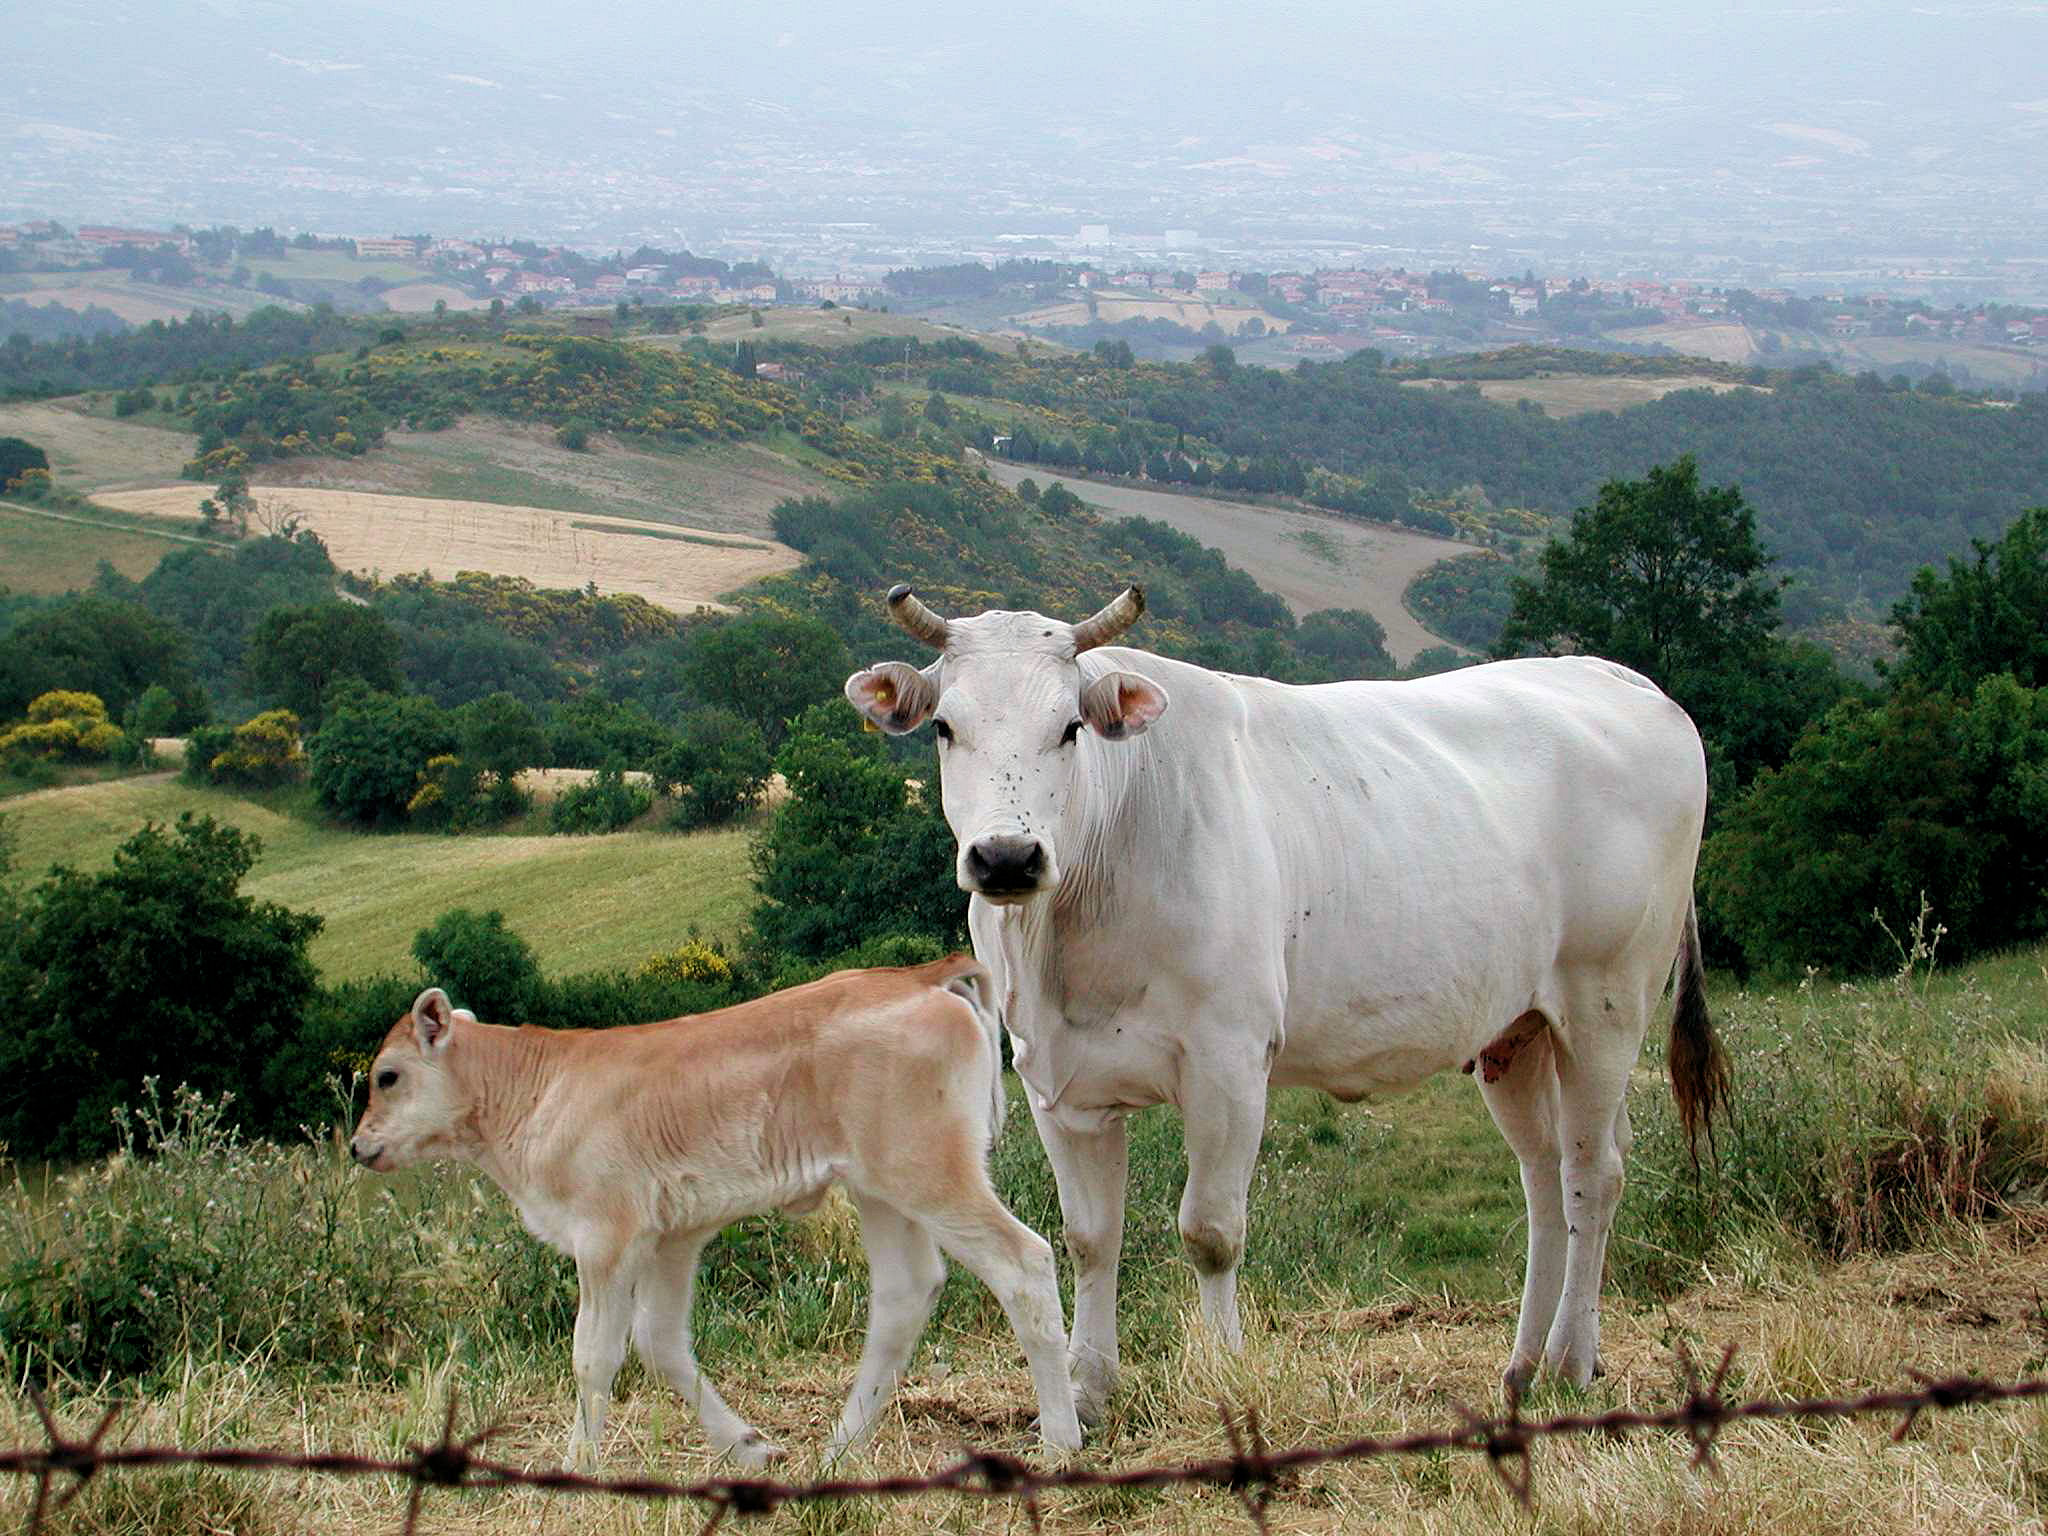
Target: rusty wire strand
x,y
1252,1472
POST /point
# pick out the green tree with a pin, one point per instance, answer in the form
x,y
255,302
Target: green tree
x,y
298,655
1667,577
716,769
856,851
18,454
1926,794
88,643
1347,642
481,964
368,756
766,668
155,967
1985,617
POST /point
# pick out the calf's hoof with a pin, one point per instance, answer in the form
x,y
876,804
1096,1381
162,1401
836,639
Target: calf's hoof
x,y
755,1454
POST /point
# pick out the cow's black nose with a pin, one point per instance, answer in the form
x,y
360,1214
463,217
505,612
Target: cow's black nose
x,y
1006,866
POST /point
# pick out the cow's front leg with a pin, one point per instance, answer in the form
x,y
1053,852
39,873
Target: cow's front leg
x,y
1223,1114
1091,1169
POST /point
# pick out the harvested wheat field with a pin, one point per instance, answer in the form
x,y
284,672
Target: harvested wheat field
x,y
1571,394
1314,1376
680,569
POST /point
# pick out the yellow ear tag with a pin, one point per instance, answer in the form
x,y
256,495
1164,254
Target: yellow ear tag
x,y
869,726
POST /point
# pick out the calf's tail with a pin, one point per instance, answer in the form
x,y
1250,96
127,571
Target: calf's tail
x,y
1699,1067
974,986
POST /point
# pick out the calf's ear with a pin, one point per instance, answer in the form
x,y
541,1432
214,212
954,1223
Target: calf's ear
x,y
432,1018
1122,704
892,696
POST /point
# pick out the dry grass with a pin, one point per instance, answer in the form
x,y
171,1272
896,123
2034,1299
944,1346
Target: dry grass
x,y
1335,563
90,453
1313,1374
420,298
1728,342
1186,310
1575,394
390,535
727,487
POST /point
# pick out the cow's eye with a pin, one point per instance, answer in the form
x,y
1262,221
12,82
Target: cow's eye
x,y
1071,734
942,730
387,1077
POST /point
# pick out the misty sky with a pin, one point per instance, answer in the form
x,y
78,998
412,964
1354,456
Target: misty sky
x,y
650,113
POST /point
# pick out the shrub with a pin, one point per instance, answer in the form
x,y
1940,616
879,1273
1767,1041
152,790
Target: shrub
x,y
367,758
716,769
1924,797
605,803
691,961
63,725
855,849
155,966
262,751
483,965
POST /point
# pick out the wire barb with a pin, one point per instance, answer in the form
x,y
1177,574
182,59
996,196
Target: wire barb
x,y
1253,1472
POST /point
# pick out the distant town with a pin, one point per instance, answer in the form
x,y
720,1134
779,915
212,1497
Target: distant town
x,y
1274,317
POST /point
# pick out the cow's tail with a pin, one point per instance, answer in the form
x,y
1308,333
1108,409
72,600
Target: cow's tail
x,y
1699,1067
973,985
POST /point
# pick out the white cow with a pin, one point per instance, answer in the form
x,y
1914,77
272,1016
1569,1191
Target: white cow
x,y
1350,886
630,1148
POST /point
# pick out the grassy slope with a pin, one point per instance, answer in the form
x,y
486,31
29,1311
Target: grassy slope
x,y
44,553
584,903
1380,1300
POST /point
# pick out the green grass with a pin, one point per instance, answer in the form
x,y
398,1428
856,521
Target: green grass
x,y
584,903
663,533
44,553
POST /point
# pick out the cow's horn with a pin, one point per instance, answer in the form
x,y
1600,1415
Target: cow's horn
x,y
1120,615
912,615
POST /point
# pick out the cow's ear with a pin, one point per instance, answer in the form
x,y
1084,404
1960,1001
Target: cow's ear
x,y
433,1016
1122,704
892,696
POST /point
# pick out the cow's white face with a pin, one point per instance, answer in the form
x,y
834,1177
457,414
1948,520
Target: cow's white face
x,y
1008,704
416,1109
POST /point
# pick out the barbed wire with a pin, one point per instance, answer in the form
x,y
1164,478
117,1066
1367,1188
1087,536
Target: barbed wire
x,y
1253,1472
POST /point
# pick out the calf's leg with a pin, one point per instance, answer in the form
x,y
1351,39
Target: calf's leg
x,y
661,1332
1015,1263
905,1271
603,1307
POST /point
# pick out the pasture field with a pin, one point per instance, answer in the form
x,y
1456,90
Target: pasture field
x,y
1380,1299
91,452
816,327
420,298
1575,394
1184,310
583,903
678,568
335,267
724,487
1306,560
48,552
1726,342
136,302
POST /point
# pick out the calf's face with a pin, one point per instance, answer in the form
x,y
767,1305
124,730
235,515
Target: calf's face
x,y
416,1110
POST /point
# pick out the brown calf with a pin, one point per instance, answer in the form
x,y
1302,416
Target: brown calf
x,y
630,1148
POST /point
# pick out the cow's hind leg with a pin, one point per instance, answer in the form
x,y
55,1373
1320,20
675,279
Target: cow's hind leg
x,y
1607,1017
1016,1264
1519,1085
905,1271
661,1332
1091,1169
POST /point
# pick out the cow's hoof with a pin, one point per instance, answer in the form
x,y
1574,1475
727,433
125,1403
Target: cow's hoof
x,y
1515,1380
756,1454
